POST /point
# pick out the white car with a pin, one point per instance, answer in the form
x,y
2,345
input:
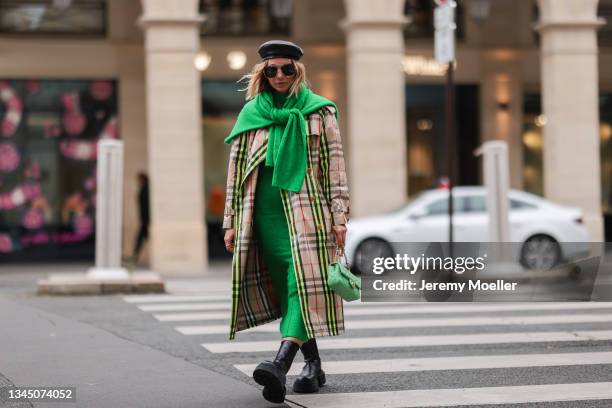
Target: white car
x,y
540,225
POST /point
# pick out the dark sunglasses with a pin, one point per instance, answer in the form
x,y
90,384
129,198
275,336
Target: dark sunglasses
x,y
271,70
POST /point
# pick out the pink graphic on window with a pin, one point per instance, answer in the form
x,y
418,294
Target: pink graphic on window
x,y
19,196
52,131
33,170
9,157
68,237
101,90
110,130
14,109
88,149
74,119
33,219
83,224
33,86
39,237
79,149
6,245
90,183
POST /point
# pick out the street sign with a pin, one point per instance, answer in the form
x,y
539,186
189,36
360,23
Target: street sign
x,y
444,38
444,16
444,43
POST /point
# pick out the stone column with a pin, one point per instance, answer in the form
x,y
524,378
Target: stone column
x,y
570,88
133,132
126,39
174,136
376,105
501,101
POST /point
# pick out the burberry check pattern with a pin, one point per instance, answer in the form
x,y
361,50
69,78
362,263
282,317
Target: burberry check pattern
x,y
322,202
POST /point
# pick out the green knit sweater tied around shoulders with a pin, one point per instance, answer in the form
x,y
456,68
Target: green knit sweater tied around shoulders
x,y
285,115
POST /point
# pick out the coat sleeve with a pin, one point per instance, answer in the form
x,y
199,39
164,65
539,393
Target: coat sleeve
x,y
336,185
232,184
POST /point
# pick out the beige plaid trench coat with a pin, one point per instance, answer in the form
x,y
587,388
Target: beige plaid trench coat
x,y
322,202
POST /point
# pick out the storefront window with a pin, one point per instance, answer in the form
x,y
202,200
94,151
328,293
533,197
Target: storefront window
x,y
81,17
246,17
221,103
533,145
426,136
532,140
48,135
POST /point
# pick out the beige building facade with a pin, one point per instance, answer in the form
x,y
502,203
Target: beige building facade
x,y
528,72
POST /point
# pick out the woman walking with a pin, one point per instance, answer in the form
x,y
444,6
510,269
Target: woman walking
x,y
286,207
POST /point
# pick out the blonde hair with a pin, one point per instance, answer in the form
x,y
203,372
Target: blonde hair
x,y
257,82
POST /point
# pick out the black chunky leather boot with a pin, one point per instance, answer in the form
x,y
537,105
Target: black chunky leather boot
x,y
312,376
272,374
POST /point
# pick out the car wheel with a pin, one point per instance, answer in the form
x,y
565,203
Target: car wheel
x,y
540,252
368,250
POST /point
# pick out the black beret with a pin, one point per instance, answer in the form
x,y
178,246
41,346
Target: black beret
x,y
280,49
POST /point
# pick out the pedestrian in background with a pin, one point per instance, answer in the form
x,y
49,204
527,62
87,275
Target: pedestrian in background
x,y
143,213
286,207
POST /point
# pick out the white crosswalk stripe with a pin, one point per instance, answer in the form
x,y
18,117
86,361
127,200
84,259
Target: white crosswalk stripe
x,y
172,298
515,324
191,302
451,363
404,308
419,341
461,396
438,322
187,317
185,306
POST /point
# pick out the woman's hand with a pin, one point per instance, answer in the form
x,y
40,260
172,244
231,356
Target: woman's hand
x,y
230,234
340,233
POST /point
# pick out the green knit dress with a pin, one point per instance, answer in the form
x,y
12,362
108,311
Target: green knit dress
x,y
272,234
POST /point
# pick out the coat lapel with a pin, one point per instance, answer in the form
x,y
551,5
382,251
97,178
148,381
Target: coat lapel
x,y
257,152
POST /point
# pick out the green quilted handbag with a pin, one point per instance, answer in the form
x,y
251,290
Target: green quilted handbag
x,y
341,280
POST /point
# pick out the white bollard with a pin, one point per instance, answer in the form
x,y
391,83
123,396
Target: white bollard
x,y
497,182
503,258
109,201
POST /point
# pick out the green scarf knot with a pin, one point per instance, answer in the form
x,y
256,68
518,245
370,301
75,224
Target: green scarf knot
x,y
287,138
